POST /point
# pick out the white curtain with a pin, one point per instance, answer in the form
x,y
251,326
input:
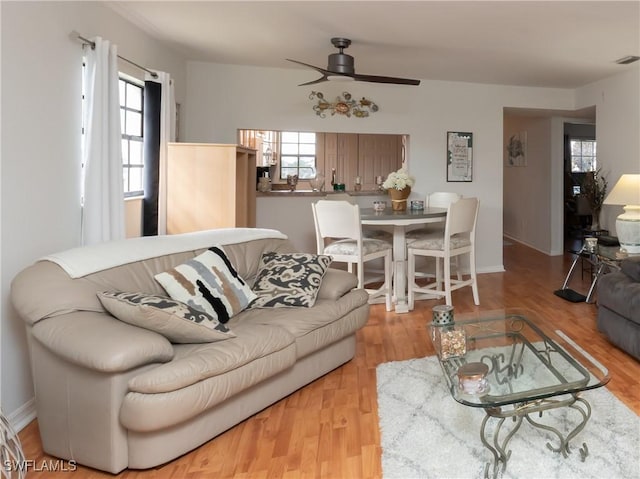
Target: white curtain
x,y
102,176
167,135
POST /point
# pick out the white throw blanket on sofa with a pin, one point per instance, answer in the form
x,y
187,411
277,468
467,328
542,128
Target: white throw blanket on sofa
x,y
79,262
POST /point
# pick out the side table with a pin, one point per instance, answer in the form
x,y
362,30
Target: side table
x,y
602,259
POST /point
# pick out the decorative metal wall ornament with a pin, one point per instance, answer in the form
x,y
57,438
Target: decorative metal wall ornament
x,y
343,105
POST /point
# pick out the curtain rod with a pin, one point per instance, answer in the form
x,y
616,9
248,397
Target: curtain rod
x,y
75,35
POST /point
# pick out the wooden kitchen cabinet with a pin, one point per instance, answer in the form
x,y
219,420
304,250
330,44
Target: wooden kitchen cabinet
x,y
340,151
361,155
210,186
378,155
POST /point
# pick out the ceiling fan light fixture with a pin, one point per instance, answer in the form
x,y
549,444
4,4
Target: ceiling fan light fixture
x,y
342,78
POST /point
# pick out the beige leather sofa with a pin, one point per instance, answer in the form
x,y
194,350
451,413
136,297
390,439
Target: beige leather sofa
x,y
113,396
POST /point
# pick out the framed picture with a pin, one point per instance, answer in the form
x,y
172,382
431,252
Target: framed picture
x,y
459,156
517,149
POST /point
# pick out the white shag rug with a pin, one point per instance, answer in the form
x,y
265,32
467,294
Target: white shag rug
x,y
425,433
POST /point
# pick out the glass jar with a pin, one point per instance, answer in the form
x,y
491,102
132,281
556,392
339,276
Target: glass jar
x,y
450,341
472,378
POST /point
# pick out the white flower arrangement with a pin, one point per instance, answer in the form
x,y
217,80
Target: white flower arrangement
x,y
398,180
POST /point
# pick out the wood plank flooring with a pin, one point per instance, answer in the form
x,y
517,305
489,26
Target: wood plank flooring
x,y
329,429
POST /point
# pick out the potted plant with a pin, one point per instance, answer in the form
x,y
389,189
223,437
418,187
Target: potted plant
x,y
398,184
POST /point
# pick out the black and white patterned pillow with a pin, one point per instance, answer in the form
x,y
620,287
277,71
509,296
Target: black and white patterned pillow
x,y
289,280
176,321
210,283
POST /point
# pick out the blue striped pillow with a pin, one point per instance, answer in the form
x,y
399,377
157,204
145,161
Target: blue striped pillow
x,y
209,283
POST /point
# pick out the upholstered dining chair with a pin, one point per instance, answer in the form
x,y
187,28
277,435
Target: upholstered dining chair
x,y
339,234
437,199
458,238
367,230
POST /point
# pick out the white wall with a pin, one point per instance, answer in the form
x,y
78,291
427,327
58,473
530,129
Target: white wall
x,y
40,185
527,192
617,101
223,98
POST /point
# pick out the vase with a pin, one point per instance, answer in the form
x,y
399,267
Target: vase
x,y
292,181
595,220
399,198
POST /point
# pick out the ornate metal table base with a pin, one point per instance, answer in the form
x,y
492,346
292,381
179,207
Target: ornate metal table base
x,y
521,411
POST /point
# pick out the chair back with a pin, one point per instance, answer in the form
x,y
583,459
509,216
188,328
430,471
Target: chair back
x,y
341,197
441,199
336,220
462,217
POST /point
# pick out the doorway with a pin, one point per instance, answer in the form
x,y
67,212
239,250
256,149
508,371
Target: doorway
x,y
534,190
580,161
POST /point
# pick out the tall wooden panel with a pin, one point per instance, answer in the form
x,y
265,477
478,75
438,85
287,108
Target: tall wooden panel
x,y
339,151
329,156
347,159
210,186
378,155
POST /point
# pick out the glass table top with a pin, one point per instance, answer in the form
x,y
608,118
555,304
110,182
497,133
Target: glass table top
x,y
522,361
608,252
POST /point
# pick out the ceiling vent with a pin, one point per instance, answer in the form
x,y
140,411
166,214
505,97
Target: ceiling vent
x,y
628,59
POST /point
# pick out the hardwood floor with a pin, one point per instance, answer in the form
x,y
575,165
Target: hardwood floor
x,y
329,429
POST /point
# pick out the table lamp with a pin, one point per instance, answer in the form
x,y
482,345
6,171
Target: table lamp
x,y
626,192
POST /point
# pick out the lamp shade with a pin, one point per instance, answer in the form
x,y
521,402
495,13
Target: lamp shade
x,y
625,192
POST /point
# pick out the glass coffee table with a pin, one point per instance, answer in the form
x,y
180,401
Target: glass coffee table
x,y
513,369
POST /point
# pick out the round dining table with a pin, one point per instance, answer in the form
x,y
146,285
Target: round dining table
x,y
400,220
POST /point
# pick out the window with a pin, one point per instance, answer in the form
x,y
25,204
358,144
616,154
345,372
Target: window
x,y
583,156
298,155
131,101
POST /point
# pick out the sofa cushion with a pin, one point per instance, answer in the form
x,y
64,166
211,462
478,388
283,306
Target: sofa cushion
x,y
176,321
193,363
631,267
328,321
336,283
289,279
210,283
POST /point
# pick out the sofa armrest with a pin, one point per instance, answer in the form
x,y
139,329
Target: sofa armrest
x,y
631,267
100,342
336,283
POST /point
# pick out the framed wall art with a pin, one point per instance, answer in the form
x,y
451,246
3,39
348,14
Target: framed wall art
x,y
517,149
459,156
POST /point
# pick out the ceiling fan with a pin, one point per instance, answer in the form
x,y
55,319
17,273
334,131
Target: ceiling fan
x,y
341,67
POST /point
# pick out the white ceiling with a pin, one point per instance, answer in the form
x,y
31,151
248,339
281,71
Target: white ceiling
x,y
565,44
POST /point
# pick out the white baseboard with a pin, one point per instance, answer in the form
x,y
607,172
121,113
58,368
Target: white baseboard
x,y
491,269
517,240
22,416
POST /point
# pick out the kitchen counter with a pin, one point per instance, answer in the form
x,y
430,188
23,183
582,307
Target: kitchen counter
x,y
291,212
286,193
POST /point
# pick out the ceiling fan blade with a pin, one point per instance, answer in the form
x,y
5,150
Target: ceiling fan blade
x,y
313,82
318,69
382,79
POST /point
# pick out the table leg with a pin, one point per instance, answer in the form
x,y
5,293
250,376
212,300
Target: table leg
x,y
596,276
498,446
400,269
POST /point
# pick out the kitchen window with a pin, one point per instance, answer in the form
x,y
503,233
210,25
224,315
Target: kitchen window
x,y
297,155
131,117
